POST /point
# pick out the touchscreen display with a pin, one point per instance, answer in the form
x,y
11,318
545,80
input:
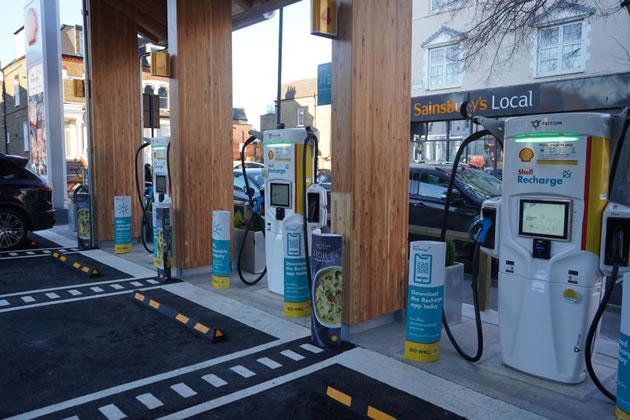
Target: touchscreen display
x,y
280,195
547,219
160,184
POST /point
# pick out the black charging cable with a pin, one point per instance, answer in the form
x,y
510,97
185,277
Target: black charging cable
x,y
310,138
142,206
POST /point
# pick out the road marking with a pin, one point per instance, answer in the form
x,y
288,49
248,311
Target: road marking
x,y
149,401
52,295
116,286
46,252
214,380
53,408
74,292
136,283
292,355
13,254
28,299
153,281
18,257
60,240
96,289
183,390
244,393
71,286
311,348
243,371
72,418
112,412
271,364
4,302
30,253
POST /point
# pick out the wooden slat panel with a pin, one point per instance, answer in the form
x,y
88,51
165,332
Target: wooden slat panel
x,y
200,42
149,15
371,65
115,113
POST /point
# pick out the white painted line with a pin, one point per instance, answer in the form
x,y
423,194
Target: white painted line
x,y
72,418
214,380
292,355
248,315
4,302
28,299
71,300
271,364
116,286
244,393
13,254
134,270
34,256
52,295
62,250
136,283
74,292
30,253
60,240
96,289
311,348
243,371
149,401
153,281
183,390
53,408
47,252
72,286
112,412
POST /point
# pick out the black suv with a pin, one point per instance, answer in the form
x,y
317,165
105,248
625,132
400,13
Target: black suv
x,y
25,202
427,194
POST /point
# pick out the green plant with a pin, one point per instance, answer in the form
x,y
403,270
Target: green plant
x,y
450,253
258,224
238,220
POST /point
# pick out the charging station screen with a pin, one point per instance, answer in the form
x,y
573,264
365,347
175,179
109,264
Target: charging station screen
x,y
545,219
280,195
160,184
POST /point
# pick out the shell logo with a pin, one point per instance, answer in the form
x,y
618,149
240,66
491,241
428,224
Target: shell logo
x,y
270,154
526,154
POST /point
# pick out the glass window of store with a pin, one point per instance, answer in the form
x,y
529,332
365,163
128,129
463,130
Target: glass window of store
x,y
560,49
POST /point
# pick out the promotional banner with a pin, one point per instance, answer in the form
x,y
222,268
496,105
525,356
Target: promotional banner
x,y
82,202
425,296
297,300
162,241
623,371
326,289
221,249
122,224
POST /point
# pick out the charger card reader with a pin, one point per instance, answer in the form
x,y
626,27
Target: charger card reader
x,y
541,248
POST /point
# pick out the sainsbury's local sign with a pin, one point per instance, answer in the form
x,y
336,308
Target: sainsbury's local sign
x,y
582,94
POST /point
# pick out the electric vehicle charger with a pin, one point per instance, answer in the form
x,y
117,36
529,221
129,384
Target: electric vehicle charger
x,y
310,137
481,231
144,208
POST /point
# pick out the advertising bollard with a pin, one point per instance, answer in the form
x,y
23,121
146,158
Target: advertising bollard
x,y
221,249
122,224
623,371
297,300
425,295
163,241
84,230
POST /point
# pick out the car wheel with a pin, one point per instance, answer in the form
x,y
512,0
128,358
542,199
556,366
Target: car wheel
x,y
13,229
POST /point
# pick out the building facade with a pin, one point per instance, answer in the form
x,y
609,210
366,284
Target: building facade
x,y
576,60
300,109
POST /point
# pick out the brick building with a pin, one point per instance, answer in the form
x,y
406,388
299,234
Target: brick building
x,y
240,133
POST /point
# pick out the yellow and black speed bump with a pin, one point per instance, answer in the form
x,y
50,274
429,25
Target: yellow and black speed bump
x,y
74,263
214,334
355,404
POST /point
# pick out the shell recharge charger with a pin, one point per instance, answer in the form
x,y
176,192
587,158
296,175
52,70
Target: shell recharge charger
x,y
551,230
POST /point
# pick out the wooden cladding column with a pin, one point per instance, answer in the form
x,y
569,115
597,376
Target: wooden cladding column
x,y
200,42
370,153
115,113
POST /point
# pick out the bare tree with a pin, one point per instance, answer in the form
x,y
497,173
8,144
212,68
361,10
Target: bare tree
x,y
502,29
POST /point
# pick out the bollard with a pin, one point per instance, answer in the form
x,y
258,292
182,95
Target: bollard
x,y
221,249
425,295
297,301
84,229
122,224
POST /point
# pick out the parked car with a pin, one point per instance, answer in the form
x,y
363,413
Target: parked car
x,y
254,176
238,164
428,185
25,202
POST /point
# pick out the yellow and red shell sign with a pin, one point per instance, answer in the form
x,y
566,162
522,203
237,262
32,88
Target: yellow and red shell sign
x,y
526,154
270,154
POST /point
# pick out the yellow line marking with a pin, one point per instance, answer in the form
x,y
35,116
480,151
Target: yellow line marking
x,y
182,318
63,258
56,255
335,394
202,328
76,265
557,162
138,296
218,333
376,414
85,269
154,304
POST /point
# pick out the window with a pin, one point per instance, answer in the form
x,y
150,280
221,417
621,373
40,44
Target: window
x,y
439,5
560,49
300,117
16,91
81,40
25,131
163,93
433,186
444,67
414,183
149,90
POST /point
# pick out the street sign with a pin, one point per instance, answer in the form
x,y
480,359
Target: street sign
x,y
324,84
324,18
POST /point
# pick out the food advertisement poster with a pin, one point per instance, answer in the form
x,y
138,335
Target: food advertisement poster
x,y
297,299
82,202
326,292
221,249
122,224
425,296
162,241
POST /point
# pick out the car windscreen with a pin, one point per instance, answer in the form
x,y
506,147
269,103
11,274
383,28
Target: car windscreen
x,y
478,183
239,181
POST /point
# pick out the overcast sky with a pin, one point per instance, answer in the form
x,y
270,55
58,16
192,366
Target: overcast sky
x,y
254,53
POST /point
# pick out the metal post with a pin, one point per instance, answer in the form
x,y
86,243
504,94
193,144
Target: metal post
x,y
87,72
279,95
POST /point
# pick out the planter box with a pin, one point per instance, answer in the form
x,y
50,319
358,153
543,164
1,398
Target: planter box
x,y
253,253
453,293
